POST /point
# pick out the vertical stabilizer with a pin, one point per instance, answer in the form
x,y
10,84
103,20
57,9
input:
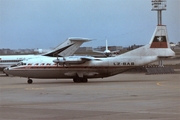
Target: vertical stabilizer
x,y
76,43
160,38
106,45
158,45
67,48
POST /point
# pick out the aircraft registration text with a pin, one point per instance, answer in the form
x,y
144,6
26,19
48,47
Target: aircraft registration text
x,y
123,63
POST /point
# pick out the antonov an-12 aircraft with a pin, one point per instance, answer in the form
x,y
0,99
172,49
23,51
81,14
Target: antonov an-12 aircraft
x,y
80,68
66,48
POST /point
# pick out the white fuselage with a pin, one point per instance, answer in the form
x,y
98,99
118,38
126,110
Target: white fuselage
x,y
103,67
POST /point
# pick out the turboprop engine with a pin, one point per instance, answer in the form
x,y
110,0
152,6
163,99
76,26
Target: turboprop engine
x,y
71,60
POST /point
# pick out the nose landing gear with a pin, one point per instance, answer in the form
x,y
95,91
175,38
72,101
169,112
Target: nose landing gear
x,y
29,81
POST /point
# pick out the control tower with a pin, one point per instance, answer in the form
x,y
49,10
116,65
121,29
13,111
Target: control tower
x,y
159,6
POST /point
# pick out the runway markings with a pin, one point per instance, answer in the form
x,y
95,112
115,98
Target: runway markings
x,y
162,84
19,87
34,88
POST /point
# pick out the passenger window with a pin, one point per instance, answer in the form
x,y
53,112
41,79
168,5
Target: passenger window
x,y
37,64
29,64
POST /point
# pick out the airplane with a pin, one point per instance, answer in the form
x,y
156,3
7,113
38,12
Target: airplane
x,y
82,68
67,48
106,52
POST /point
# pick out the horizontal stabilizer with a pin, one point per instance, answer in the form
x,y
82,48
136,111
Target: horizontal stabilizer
x,y
80,39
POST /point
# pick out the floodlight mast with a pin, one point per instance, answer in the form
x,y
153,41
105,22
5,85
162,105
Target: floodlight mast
x,y
159,6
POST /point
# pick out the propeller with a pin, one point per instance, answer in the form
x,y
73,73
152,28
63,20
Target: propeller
x,y
64,61
60,61
57,60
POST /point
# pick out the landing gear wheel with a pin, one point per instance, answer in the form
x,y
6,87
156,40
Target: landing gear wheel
x,y
77,80
80,80
29,81
84,80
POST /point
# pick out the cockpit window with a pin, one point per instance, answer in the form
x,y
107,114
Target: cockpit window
x,y
18,64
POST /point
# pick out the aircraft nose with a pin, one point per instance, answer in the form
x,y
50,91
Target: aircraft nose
x,y
6,69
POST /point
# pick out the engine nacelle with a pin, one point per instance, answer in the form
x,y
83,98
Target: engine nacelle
x,y
69,60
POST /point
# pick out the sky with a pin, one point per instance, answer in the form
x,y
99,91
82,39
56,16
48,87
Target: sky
x,y
47,23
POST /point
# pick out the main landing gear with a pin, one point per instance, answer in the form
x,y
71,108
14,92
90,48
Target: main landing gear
x,y
76,80
80,80
29,81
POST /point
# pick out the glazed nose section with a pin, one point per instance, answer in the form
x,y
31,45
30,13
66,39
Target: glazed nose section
x,y
5,69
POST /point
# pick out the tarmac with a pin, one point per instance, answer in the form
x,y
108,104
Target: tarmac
x,y
125,96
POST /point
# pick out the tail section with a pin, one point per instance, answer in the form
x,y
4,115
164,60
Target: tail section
x,y
106,45
68,47
76,43
158,46
159,43
160,38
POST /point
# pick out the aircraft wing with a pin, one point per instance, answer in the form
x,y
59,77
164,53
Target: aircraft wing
x,y
89,58
74,59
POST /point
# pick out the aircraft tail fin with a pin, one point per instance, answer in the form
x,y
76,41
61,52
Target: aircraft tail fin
x,y
158,45
160,38
68,47
76,43
106,45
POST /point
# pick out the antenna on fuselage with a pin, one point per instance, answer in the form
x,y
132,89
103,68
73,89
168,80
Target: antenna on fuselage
x,y
159,6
